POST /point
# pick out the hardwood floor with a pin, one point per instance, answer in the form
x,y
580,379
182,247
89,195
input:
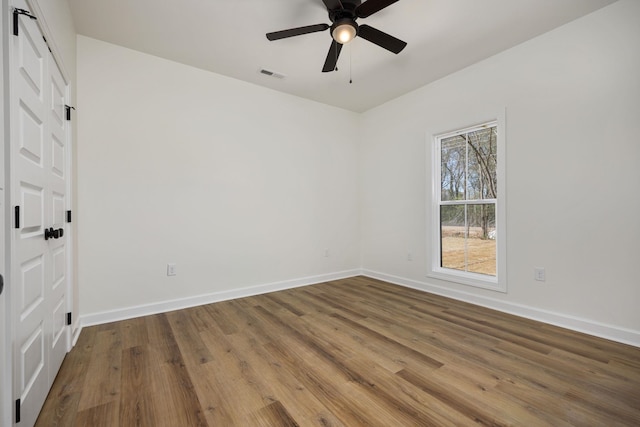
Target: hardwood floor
x,y
355,352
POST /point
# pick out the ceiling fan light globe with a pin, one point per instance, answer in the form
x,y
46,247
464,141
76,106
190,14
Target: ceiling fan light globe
x,y
344,33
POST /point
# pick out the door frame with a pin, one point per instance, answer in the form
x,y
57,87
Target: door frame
x,y
6,353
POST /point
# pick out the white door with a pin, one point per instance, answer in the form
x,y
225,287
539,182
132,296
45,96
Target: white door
x,y
38,189
57,179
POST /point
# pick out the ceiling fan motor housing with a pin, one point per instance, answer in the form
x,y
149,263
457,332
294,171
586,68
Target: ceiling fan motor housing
x,y
345,16
348,11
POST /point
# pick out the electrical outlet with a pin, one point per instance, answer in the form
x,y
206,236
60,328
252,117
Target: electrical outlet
x,y
409,256
326,253
539,274
171,270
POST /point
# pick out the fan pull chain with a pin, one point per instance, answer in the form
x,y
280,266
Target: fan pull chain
x,y
350,56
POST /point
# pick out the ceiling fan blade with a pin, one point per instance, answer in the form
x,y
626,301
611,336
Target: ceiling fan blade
x,y
332,57
383,40
370,7
277,35
333,4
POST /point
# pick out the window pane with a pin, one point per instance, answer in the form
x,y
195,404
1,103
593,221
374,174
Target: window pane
x,y
468,238
452,234
452,168
481,239
482,181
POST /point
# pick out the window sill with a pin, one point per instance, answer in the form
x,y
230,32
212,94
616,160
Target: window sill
x,y
470,279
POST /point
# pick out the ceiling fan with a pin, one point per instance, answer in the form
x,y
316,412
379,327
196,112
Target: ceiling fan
x,y
343,15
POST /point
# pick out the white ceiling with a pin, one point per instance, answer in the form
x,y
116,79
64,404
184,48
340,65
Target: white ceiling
x,y
228,37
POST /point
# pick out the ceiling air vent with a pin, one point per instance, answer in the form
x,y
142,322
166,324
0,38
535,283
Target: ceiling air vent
x,y
272,73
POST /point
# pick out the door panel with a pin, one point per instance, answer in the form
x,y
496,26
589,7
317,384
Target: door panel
x,y
30,56
33,362
32,294
31,207
59,263
57,212
30,134
58,323
57,153
58,96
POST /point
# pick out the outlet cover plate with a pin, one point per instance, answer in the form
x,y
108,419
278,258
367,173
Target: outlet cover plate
x,y
171,269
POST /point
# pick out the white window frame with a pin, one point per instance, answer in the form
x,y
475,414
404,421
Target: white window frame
x,y
499,281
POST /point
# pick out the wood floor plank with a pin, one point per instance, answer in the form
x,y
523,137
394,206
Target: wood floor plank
x,y
96,416
137,401
283,386
62,404
318,370
179,401
133,332
175,400
186,335
222,320
361,384
212,395
103,385
349,352
241,391
273,415
201,318
336,304
457,401
162,343
327,383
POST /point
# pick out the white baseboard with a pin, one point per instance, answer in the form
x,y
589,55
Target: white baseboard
x,y
610,332
614,333
178,304
76,333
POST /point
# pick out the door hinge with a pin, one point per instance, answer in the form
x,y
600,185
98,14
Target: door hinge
x,y
17,411
68,216
17,12
69,108
69,318
17,216
47,43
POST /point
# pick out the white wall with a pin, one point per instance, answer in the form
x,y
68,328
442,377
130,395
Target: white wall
x,y
238,185
572,125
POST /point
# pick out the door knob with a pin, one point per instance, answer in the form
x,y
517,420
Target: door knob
x,y
50,233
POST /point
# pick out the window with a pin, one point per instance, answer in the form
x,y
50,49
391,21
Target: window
x,y
467,203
